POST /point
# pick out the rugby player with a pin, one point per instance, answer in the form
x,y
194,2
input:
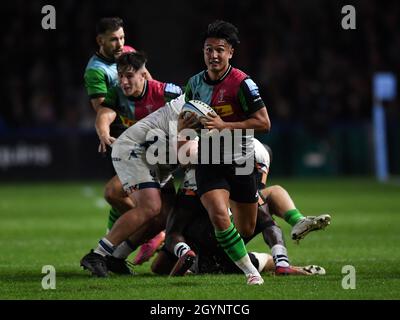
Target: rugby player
x,y
100,75
236,100
140,179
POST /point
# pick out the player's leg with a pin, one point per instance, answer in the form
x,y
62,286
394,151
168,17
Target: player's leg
x,y
141,182
148,206
155,232
214,195
164,262
115,195
152,229
188,207
151,234
245,216
282,205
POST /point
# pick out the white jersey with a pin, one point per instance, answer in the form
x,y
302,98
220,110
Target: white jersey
x,y
129,152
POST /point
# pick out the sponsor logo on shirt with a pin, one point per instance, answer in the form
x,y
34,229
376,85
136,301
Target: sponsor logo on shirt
x,y
223,111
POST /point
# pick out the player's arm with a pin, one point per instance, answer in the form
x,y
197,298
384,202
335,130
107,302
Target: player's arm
x,y
96,87
188,92
252,105
96,103
105,116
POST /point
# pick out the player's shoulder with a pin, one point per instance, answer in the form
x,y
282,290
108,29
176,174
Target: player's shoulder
x,y
197,78
97,62
238,74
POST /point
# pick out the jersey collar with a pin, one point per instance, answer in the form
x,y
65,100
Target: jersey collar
x,y
105,59
207,79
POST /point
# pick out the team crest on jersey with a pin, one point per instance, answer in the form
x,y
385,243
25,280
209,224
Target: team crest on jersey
x,y
221,96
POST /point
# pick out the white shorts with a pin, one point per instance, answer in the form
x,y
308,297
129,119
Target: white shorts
x,y
134,172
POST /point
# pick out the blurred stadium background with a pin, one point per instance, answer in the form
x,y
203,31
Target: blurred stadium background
x,y
315,78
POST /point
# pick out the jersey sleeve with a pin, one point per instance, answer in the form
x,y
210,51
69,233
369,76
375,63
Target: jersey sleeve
x,y
171,91
111,99
249,97
95,83
188,92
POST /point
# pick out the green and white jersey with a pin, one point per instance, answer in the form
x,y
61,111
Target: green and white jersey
x,y
100,75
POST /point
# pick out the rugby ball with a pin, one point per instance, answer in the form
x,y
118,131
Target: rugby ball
x,y
197,107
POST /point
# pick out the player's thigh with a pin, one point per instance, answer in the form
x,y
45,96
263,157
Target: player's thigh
x,y
243,188
114,188
148,200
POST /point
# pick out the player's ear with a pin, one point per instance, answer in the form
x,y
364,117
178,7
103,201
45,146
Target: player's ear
x,y
99,40
232,49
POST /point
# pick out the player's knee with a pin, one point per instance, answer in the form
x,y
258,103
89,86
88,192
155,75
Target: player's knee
x,y
246,230
110,194
277,189
152,209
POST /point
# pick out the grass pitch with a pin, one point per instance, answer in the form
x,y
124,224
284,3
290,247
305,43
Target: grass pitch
x,y
56,224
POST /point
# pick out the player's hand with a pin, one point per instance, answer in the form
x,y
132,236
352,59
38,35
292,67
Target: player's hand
x,y
187,120
213,121
105,140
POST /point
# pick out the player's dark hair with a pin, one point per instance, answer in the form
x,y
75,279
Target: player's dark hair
x,y
109,24
223,30
134,60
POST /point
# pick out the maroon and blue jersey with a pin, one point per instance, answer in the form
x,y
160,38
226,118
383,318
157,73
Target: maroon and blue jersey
x,y
131,109
233,97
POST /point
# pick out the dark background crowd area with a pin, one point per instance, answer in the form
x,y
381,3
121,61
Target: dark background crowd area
x,y
310,71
